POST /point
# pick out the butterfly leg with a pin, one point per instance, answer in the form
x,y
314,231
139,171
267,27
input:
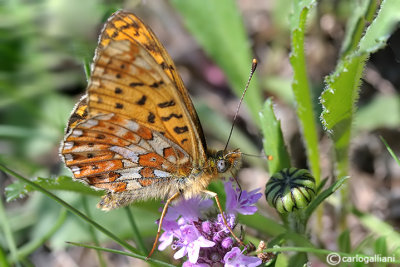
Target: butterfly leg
x,y
164,212
215,196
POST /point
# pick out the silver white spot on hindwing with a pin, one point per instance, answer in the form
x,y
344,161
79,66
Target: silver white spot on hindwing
x,y
161,174
68,145
77,133
75,170
126,153
89,123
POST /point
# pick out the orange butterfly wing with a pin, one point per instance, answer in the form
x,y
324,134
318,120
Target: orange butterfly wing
x,y
136,131
126,26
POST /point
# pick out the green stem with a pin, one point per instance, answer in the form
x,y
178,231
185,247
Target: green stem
x,y
92,232
157,262
8,234
3,258
302,93
136,234
70,208
29,248
134,251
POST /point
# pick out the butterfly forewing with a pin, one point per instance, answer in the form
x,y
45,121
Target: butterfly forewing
x,y
125,26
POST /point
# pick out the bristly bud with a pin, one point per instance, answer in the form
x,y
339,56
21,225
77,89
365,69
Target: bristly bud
x,y
290,189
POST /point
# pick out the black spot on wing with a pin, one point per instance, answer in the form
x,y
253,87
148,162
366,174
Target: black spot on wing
x,y
142,101
166,104
118,90
134,24
151,117
100,136
180,130
136,84
119,106
183,140
156,84
172,115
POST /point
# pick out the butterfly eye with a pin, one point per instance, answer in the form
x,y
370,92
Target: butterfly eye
x,y
222,165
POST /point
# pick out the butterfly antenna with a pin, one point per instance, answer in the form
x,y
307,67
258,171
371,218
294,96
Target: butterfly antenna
x,y
253,69
268,157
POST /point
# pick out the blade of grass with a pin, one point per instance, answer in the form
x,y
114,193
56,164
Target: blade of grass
x,y
124,244
324,195
363,13
3,258
218,27
8,234
136,234
274,144
379,227
301,88
390,151
73,210
267,225
92,232
341,93
159,263
29,248
16,190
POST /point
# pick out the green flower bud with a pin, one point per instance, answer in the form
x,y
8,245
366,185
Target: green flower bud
x,y
290,189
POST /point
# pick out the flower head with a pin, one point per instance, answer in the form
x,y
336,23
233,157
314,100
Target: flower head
x,y
189,209
192,242
207,242
241,201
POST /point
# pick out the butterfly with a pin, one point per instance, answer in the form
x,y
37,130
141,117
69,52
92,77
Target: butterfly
x,y
136,133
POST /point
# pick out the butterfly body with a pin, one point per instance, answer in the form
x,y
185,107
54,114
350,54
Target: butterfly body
x,y
136,133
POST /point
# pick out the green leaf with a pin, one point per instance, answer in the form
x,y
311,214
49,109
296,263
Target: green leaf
x,y
34,244
379,227
321,185
380,246
274,144
219,29
381,28
344,241
341,93
362,14
8,234
397,159
262,224
382,111
338,101
20,189
298,260
301,88
324,195
3,259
